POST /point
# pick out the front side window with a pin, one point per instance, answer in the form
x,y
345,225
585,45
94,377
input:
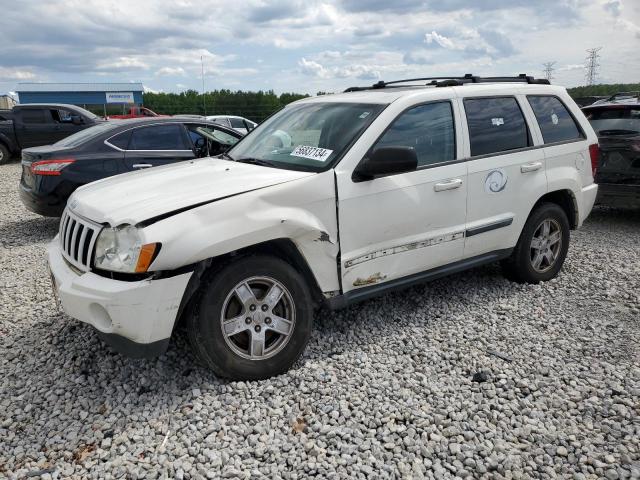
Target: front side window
x,y
61,116
237,123
428,129
495,125
307,136
556,123
159,137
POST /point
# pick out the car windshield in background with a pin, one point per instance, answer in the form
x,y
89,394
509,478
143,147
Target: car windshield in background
x,y
614,120
84,135
217,135
308,136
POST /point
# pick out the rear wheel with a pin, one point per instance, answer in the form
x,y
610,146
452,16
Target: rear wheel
x,y
5,155
542,247
253,319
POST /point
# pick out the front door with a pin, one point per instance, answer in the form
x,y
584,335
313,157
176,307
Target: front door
x,y
158,144
395,226
506,173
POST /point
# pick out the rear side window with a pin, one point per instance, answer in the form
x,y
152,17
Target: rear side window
x,y
556,123
495,125
237,123
159,137
34,116
428,129
121,140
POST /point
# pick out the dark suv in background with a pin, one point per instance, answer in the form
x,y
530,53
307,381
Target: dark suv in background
x,y
617,124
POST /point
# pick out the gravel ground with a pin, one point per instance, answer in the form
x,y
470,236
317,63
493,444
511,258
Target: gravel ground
x,y
469,376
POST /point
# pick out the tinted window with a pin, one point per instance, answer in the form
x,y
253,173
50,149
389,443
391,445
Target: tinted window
x,y
556,123
614,120
237,123
159,137
428,129
33,116
221,121
61,116
495,125
121,140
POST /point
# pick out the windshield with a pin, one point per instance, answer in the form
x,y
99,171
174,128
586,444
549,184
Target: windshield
x,y
307,136
85,135
217,135
614,120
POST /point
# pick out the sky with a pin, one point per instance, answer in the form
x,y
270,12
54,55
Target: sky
x,y
307,46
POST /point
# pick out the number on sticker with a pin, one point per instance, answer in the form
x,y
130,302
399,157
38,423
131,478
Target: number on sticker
x,y
312,153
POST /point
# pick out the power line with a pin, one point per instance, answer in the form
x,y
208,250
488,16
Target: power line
x,y
591,65
548,70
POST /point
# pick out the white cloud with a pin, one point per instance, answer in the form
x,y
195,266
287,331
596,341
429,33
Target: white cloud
x,y
122,63
7,74
435,37
170,71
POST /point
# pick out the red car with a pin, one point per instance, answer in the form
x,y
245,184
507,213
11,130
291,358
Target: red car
x,y
137,112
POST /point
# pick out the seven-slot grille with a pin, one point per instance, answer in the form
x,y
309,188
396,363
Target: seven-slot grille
x,y
77,239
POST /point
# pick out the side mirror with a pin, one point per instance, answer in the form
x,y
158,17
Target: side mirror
x,y
385,161
76,120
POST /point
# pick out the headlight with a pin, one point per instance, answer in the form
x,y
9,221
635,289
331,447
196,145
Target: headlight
x,y
120,249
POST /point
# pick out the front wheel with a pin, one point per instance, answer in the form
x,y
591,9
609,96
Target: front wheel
x,y
542,247
253,319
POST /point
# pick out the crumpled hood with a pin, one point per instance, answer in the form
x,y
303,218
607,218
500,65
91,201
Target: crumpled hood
x,y
137,196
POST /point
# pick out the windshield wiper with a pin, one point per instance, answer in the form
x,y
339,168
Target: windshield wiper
x,y
257,161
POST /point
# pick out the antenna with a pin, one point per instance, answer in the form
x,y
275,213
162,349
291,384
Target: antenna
x,y
548,70
592,65
204,106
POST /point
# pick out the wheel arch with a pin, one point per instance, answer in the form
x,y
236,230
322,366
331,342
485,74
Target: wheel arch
x,y
566,200
282,248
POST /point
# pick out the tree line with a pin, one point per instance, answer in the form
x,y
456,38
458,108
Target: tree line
x,y
255,106
603,89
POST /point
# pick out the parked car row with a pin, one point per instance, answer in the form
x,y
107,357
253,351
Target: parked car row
x,y
51,173
332,200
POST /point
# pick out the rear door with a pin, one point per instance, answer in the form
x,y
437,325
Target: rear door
x,y
159,144
34,127
506,172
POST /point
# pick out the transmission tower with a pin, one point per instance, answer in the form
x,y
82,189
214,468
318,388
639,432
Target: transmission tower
x,y
548,70
591,65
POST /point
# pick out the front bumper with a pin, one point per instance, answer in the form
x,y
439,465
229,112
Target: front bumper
x,y
135,318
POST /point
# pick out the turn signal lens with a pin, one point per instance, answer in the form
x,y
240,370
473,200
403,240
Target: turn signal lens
x,y
50,167
147,253
594,153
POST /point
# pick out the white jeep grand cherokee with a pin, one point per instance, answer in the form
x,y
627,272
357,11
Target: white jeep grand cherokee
x,y
332,200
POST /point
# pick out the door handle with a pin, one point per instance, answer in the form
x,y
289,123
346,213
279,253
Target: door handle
x,y
530,167
448,185
141,165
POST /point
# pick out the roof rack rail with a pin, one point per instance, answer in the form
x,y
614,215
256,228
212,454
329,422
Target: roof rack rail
x,y
451,81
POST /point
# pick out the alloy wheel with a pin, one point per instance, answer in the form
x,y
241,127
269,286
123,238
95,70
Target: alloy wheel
x,y
258,318
546,245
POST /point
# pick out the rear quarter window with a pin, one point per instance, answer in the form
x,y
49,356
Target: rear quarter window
x,y
555,121
496,124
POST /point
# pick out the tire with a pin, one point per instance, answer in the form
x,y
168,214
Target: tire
x,y
5,155
260,348
537,256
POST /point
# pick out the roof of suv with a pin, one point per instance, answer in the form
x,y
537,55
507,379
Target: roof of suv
x,y
389,95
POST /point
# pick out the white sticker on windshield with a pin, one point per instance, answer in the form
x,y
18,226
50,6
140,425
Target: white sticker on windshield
x,y
554,118
313,153
497,121
364,115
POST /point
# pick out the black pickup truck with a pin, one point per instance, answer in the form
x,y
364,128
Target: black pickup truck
x,y
35,124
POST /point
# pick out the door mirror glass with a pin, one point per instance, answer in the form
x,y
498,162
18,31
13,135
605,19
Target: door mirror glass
x,y
385,161
76,120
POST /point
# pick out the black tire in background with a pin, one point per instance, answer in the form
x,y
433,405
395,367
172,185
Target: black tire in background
x,y
205,326
5,154
519,266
